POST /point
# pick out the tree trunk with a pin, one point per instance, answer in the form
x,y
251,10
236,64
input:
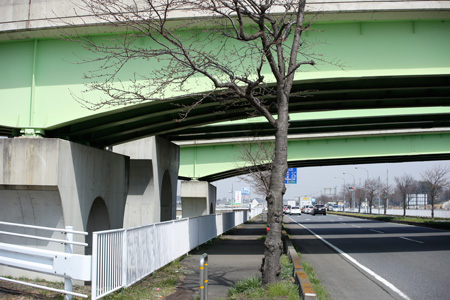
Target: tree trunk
x,y
271,266
432,208
404,206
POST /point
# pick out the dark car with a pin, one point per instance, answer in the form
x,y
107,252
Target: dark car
x,y
319,209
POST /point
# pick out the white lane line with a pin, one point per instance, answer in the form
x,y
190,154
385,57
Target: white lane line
x,y
355,262
377,231
356,226
405,238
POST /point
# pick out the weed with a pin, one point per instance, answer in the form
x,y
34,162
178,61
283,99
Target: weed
x,y
320,290
283,290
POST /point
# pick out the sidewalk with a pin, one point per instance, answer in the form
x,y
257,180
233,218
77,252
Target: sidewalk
x,y
235,256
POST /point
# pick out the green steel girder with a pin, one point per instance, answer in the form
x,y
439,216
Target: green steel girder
x,y
360,123
219,161
396,64
165,118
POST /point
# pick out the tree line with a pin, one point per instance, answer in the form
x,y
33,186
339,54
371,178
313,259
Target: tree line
x,y
433,182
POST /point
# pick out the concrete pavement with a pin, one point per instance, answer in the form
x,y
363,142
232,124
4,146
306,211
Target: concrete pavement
x,y
236,255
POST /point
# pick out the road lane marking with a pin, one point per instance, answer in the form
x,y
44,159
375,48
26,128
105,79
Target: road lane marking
x,y
356,226
377,231
356,263
405,238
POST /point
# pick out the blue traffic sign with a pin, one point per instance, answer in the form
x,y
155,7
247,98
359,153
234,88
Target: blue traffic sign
x,y
291,176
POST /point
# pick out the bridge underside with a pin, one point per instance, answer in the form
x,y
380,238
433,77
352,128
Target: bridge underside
x,y
219,161
333,95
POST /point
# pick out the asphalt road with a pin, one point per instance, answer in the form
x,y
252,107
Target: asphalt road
x,y
407,262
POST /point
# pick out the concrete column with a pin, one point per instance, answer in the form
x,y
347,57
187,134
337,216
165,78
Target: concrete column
x,y
198,198
153,180
56,183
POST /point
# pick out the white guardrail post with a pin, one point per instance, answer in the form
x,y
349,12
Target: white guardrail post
x,y
69,249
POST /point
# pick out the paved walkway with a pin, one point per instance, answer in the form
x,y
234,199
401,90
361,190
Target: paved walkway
x,y
235,256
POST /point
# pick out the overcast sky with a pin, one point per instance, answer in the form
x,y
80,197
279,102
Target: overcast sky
x,y
311,181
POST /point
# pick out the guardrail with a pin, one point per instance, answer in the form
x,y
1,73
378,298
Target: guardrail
x,y
62,264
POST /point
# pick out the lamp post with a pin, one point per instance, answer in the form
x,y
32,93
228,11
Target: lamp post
x,y
365,182
343,207
353,189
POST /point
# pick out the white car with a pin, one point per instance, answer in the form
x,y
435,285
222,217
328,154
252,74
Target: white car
x,y
309,209
295,210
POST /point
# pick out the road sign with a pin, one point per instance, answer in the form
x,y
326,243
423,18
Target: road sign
x,y
237,197
245,191
291,176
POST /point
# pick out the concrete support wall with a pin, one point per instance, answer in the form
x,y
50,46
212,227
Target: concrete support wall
x,y
56,183
153,180
198,198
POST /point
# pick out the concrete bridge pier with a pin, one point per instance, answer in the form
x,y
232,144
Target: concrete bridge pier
x,y
153,177
198,198
55,183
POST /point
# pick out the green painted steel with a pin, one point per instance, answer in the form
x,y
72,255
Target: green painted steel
x,y
218,161
39,77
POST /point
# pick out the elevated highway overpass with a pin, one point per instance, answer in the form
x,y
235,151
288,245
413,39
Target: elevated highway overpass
x,y
389,101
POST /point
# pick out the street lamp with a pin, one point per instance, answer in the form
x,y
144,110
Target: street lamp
x,y
353,189
343,207
365,182
364,170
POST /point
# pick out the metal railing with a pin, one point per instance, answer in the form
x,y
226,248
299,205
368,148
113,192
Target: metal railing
x,y
120,257
62,264
124,256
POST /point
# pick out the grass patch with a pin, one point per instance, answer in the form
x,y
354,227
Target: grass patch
x,y
439,223
252,289
14,291
159,284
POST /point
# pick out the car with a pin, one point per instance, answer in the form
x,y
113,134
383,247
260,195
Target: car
x,y
286,209
319,209
309,209
295,210
304,209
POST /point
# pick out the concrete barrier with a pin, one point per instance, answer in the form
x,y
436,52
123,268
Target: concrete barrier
x,y
306,289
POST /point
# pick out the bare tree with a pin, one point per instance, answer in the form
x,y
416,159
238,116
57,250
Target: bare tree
x,y
372,188
360,195
405,185
437,180
257,156
385,193
256,43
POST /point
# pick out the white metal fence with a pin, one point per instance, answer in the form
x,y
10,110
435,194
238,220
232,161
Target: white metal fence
x,y
124,256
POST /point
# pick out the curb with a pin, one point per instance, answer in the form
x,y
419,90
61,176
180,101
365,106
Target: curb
x,y
306,289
